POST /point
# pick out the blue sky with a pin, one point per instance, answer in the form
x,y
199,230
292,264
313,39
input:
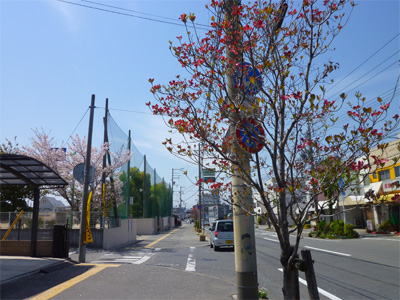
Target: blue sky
x,y
54,55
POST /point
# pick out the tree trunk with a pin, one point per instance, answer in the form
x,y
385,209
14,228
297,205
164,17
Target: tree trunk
x,y
290,287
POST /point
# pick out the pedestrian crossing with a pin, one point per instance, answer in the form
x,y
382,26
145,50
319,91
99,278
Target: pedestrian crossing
x,y
142,256
136,259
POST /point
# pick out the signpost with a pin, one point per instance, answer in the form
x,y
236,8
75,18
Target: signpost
x,y
250,136
248,79
79,173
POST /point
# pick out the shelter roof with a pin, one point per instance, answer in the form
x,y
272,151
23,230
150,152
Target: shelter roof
x,y
24,170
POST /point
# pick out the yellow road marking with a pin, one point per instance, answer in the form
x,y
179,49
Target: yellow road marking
x,y
66,285
160,239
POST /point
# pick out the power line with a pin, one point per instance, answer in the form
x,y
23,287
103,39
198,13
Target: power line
x,y
366,60
131,10
127,110
77,126
130,15
373,68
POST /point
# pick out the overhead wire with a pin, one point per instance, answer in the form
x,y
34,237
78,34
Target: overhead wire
x,y
201,26
80,121
365,61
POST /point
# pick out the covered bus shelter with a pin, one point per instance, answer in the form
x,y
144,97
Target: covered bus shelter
x,y
24,170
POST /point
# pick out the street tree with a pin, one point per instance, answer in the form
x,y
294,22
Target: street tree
x,y
254,98
45,149
136,186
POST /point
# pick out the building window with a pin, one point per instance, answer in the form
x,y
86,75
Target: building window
x,y
397,171
374,175
367,181
384,175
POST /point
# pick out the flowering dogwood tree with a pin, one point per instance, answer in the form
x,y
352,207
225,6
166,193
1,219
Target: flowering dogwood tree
x,y
258,78
44,149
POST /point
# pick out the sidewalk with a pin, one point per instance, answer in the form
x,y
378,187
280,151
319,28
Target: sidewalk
x,y
15,267
362,232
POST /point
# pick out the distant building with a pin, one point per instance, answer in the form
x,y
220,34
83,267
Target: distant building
x,y
51,204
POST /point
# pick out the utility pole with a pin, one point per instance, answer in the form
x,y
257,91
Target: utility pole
x,y
85,194
200,206
128,175
144,189
103,175
244,237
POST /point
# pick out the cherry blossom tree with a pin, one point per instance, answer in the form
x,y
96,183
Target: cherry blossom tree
x,y
45,149
258,78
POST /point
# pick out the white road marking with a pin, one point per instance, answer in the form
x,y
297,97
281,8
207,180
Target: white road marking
x,y
191,262
276,241
395,239
328,251
143,259
321,291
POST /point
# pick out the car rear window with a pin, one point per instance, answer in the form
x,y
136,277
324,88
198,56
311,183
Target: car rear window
x,y
225,226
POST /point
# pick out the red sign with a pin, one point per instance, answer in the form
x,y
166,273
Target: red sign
x,y
250,135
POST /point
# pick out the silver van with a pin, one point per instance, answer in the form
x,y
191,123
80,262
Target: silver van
x,y
221,234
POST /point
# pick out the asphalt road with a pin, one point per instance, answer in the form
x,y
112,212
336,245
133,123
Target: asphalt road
x,y
176,265
365,268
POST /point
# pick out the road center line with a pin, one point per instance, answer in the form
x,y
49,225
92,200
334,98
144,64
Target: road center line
x,y
321,291
50,293
160,239
323,250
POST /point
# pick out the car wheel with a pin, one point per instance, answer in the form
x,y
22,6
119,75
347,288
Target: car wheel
x,y
211,245
216,248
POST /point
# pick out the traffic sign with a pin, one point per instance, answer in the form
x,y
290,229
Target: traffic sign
x,y
79,173
250,135
208,174
248,78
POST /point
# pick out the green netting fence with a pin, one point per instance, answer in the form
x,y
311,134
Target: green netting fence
x,y
145,194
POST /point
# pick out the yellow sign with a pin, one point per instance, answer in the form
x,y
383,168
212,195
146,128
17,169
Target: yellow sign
x,y
87,238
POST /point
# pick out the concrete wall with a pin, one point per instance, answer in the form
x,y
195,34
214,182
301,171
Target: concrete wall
x,y
119,236
109,237
146,226
23,248
97,235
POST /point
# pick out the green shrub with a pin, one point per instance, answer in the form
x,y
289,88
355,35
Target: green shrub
x,y
337,227
385,226
335,230
197,224
307,226
350,232
263,293
259,220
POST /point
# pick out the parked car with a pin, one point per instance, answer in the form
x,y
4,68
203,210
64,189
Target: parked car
x,y
221,234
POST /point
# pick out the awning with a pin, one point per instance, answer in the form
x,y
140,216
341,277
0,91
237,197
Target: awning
x,y
23,170
354,200
376,187
387,198
322,205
